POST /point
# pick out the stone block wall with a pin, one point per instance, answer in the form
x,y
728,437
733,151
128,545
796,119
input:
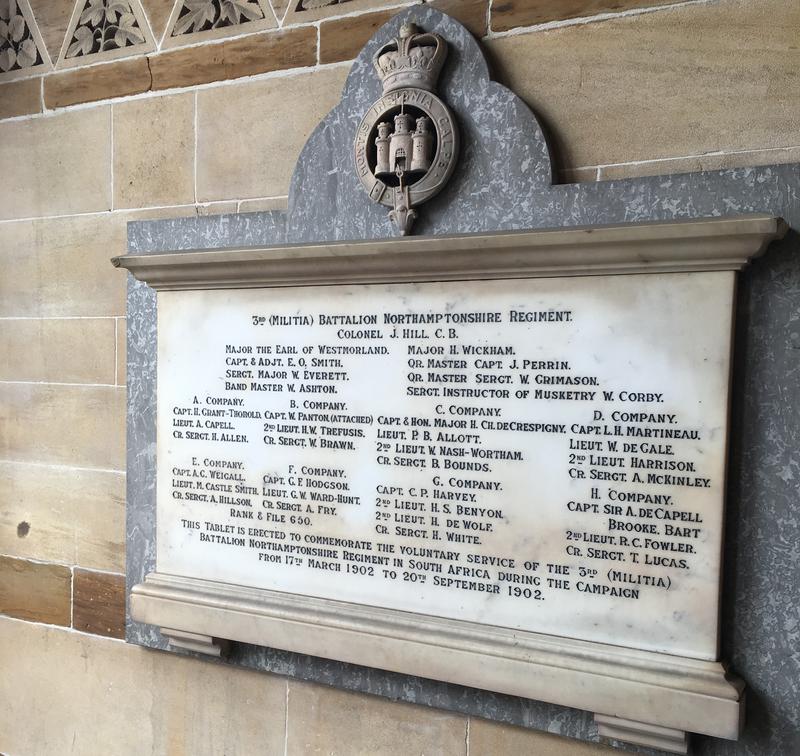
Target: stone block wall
x,y
164,108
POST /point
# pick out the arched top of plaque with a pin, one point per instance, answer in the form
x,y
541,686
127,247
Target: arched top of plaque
x,y
419,121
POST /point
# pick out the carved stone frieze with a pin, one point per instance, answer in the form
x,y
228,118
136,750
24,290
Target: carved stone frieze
x,y
210,19
22,51
105,29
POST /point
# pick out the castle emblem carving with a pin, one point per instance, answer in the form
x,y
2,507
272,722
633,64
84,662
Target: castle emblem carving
x,y
407,143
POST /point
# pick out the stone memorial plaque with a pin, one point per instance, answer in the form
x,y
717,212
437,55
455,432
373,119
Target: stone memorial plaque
x,y
494,460
492,452
544,455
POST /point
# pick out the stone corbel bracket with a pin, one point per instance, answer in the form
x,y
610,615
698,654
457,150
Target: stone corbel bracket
x,y
200,644
642,697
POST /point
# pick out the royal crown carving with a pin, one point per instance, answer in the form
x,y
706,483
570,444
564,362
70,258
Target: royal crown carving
x,y
407,143
414,59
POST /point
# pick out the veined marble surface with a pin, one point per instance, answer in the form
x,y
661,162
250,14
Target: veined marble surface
x,y
581,494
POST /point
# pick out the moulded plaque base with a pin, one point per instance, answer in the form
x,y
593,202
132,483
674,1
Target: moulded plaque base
x,y
621,685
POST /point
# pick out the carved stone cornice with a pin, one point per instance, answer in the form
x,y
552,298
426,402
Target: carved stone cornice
x,y
675,247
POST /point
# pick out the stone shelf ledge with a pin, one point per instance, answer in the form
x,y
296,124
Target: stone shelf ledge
x,y
675,247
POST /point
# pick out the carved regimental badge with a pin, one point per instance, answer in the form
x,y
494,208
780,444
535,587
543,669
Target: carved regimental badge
x,y
407,143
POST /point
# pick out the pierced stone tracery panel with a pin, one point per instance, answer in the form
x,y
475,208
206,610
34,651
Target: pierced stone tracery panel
x,y
216,18
105,25
22,49
104,29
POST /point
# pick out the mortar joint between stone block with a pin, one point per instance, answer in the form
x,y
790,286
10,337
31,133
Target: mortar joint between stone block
x,y
111,155
596,18
196,139
116,351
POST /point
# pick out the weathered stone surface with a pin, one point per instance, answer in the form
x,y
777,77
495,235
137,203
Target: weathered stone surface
x,y
35,281
474,14
86,693
117,79
38,282
18,98
61,351
63,515
325,720
680,82
55,178
98,603
35,592
508,14
154,152
247,56
39,425
273,118
343,38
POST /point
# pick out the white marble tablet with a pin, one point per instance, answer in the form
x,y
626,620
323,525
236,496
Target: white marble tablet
x,y
547,455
